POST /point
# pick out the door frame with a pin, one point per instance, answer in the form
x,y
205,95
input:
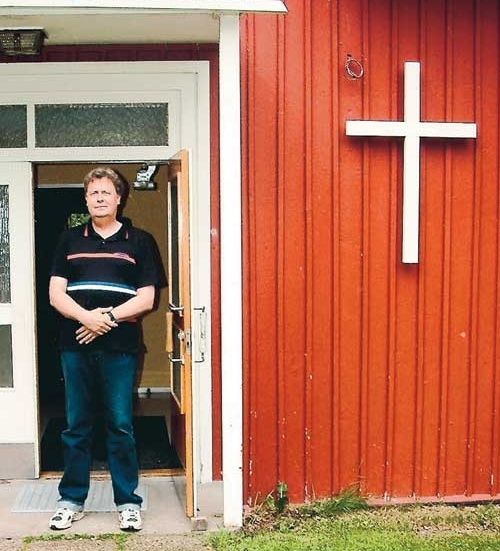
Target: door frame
x,y
231,249
186,84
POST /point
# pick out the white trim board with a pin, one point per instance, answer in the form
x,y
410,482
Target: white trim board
x,y
179,6
231,272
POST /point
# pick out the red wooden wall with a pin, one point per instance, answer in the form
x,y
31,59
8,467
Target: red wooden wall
x,y
359,369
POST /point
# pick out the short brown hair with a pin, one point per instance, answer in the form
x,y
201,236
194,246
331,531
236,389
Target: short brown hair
x,y
106,172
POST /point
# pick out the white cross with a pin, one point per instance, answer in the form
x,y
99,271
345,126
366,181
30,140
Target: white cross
x,y
411,129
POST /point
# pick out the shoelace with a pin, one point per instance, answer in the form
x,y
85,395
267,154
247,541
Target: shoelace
x,y
131,515
60,513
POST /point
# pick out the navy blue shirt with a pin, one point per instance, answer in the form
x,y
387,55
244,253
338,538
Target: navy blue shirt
x,y
106,272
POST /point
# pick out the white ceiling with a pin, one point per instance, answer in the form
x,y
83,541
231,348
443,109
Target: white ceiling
x,y
126,28
127,21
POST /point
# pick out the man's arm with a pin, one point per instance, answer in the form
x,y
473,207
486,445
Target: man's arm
x,y
96,321
140,304
136,306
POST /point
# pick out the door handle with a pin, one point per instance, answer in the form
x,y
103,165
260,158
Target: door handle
x,y
169,341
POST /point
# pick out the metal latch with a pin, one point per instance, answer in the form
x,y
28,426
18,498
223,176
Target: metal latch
x,y
201,333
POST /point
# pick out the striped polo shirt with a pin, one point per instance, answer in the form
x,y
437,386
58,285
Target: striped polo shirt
x,y
106,272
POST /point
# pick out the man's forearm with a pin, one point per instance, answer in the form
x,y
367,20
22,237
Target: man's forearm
x,y
95,320
66,306
136,306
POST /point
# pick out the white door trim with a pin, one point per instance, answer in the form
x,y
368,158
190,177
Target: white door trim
x,y
231,269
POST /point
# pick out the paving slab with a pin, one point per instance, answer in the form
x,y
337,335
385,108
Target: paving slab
x,y
179,542
83,544
11,544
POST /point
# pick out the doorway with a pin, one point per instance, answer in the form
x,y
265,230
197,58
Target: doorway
x,y
180,88
59,203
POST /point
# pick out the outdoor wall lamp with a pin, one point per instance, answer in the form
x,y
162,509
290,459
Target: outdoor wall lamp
x,y
144,179
21,40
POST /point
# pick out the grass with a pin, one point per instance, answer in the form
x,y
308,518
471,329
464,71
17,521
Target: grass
x,y
346,523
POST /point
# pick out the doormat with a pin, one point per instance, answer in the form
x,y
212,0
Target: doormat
x,y
154,450
42,496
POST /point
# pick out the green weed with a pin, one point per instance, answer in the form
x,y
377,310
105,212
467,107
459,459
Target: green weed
x,y
346,523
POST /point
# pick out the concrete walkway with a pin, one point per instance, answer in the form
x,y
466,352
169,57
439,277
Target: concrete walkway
x,y
165,524
132,542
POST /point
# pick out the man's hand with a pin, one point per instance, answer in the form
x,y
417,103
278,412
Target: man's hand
x,y
94,323
85,336
98,321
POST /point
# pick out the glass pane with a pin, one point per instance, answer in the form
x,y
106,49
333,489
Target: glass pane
x,y
177,369
4,246
101,125
6,379
13,126
174,283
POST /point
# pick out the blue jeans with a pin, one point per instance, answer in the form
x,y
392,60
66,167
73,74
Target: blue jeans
x,y
109,376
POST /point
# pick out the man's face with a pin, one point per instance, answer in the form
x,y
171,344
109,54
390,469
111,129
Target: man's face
x,y
102,199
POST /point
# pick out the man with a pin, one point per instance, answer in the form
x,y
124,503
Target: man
x,y
103,278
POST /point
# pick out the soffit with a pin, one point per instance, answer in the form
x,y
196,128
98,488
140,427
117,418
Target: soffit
x,y
128,21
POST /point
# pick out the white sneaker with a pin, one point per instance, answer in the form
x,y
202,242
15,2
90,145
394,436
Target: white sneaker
x,y
63,518
130,520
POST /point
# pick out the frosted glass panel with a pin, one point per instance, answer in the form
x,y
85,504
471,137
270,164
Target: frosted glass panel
x,y
4,245
6,379
101,125
13,126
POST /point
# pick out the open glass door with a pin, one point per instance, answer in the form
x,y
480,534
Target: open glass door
x,y
178,318
17,333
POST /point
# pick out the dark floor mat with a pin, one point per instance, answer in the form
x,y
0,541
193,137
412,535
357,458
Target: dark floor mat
x,y
154,450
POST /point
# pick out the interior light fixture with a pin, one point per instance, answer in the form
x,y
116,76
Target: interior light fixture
x,y
144,179
21,40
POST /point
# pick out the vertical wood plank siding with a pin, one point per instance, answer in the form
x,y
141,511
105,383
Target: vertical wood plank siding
x,y
359,369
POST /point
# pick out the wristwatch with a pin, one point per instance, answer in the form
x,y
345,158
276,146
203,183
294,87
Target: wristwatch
x,y
111,316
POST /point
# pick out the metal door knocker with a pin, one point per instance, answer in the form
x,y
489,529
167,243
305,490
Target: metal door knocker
x,y
353,67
